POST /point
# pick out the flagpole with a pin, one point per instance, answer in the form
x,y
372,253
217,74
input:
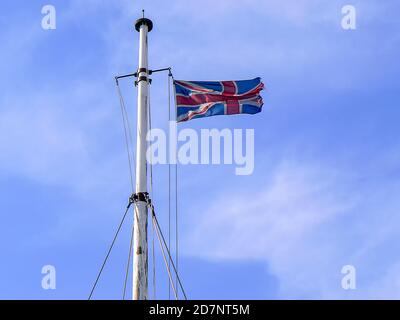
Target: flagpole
x,y
140,247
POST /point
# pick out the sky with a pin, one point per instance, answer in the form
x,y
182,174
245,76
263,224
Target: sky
x,y
324,192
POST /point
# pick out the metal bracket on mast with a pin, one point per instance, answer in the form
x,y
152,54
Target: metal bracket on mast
x,y
140,196
150,72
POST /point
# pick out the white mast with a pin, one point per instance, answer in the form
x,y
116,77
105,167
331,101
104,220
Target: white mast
x,y
140,253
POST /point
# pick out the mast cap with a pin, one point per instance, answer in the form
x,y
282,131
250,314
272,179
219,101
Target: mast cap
x,y
144,21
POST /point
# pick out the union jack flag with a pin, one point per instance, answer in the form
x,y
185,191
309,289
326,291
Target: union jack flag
x,y
198,99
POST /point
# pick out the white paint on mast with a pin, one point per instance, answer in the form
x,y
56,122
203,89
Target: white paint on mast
x,y
140,256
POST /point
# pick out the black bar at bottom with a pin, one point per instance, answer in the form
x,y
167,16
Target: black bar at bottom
x,y
205,309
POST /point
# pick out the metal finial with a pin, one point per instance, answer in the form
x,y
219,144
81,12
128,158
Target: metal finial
x,y
142,21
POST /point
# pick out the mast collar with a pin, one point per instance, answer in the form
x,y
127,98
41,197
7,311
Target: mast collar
x,y
144,21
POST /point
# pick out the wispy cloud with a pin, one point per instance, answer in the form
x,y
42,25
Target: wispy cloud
x,y
305,224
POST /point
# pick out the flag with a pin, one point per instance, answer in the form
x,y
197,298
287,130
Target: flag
x,y
199,99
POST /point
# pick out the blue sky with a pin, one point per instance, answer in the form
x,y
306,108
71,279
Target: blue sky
x,y
324,192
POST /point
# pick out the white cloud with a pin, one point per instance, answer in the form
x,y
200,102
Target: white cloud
x,y
305,224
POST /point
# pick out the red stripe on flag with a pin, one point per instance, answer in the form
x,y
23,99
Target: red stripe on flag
x,y
206,98
232,107
229,88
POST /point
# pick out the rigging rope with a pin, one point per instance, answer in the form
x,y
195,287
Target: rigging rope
x,y
155,225
176,194
154,264
170,76
165,260
110,249
162,240
127,134
128,263
169,180
131,158
152,195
